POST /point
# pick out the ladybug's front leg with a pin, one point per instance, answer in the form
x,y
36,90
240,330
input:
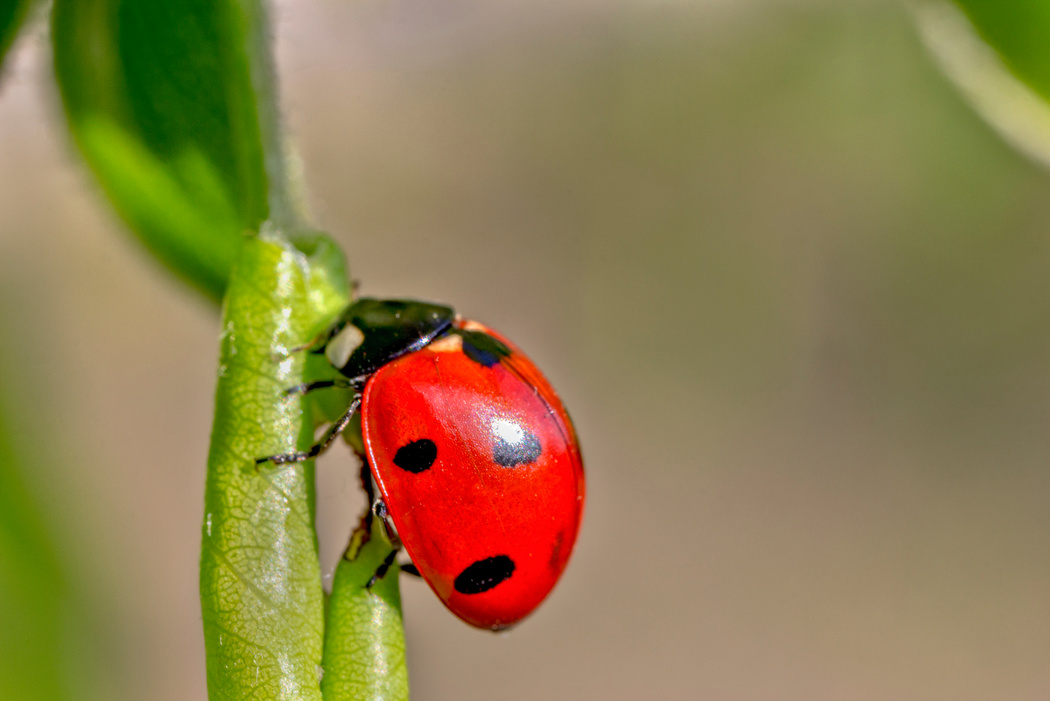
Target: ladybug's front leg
x,y
307,387
320,446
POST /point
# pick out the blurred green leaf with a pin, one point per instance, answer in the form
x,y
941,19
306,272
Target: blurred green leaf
x,y
364,647
174,110
33,602
996,55
260,579
1019,31
12,14
40,624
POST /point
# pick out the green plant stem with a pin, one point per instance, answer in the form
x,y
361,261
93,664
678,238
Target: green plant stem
x,y
364,650
286,208
175,108
261,592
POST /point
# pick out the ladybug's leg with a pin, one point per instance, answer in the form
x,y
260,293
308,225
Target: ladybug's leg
x,y
314,345
307,387
380,512
384,567
320,446
381,571
379,509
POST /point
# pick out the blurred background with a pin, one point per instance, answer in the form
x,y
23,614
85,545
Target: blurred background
x,y
794,291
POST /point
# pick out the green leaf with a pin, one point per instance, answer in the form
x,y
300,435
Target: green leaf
x,y
1019,31
998,55
364,649
43,628
34,606
260,580
12,14
173,107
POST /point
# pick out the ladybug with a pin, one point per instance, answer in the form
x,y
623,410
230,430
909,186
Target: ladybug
x,y
473,452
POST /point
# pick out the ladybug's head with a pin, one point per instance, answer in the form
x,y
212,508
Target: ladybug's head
x,y
372,332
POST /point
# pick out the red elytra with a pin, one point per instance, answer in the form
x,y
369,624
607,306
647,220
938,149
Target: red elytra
x,y
480,471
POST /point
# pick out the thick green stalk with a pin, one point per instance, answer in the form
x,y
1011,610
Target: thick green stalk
x,y
260,580
174,106
364,649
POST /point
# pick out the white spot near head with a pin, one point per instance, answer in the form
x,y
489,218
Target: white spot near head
x,y
471,325
509,431
343,344
451,343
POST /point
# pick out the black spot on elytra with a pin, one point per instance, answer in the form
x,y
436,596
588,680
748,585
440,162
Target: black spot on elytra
x,y
484,574
417,456
482,348
522,452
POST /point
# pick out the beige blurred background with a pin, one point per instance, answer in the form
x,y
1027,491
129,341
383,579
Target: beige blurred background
x,y
794,292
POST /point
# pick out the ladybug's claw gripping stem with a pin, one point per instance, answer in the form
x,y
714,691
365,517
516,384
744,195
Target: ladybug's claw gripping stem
x,y
307,387
320,446
383,568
